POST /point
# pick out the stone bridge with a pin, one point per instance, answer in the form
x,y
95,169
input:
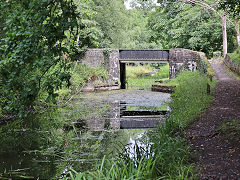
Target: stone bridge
x,y
114,61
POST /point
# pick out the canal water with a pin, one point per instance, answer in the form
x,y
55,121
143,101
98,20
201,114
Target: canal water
x,y
79,134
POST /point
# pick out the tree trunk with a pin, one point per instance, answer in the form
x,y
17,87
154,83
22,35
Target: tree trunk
x,y
224,34
237,31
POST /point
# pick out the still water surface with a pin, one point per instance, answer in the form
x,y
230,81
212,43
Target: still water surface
x,y
76,136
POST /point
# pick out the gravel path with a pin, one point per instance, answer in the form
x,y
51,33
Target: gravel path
x,y
215,156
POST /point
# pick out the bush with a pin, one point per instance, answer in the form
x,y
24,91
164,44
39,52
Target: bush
x,y
33,40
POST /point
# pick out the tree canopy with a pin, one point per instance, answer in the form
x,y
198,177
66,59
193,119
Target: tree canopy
x,y
39,38
35,34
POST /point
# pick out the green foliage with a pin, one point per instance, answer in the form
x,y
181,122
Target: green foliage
x,y
206,67
106,53
235,56
183,25
163,162
217,54
138,70
190,99
144,76
232,74
36,34
118,169
83,73
230,129
111,18
232,6
89,35
122,28
80,75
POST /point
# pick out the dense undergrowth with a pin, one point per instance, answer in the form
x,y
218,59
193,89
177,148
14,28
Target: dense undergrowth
x,y
81,74
166,154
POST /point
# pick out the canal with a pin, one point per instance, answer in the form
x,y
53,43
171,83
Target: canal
x,y
48,143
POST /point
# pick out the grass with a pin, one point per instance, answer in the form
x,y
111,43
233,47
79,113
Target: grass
x,y
135,71
82,73
190,98
231,130
232,74
139,77
166,155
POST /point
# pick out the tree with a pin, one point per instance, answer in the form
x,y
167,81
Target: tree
x,y
187,25
144,5
35,34
111,17
209,6
89,34
233,8
137,34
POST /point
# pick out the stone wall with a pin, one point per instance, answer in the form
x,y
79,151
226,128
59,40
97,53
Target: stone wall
x,y
231,64
182,59
93,58
110,61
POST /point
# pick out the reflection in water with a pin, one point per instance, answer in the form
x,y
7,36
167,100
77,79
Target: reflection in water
x,y
45,144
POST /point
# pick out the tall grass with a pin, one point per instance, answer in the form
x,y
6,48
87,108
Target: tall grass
x,y
235,56
82,73
166,154
190,98
136,71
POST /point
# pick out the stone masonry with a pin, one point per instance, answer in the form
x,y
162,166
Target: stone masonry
x,y
96,58
182,59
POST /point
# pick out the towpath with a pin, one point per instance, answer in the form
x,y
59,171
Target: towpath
x,y
216,156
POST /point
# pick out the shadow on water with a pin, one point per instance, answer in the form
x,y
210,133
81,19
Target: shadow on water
x,y
93,125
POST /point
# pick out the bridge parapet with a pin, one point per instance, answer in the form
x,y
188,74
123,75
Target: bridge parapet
x,y
148,56
183,59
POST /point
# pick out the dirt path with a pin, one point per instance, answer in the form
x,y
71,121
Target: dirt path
x,y
215,156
